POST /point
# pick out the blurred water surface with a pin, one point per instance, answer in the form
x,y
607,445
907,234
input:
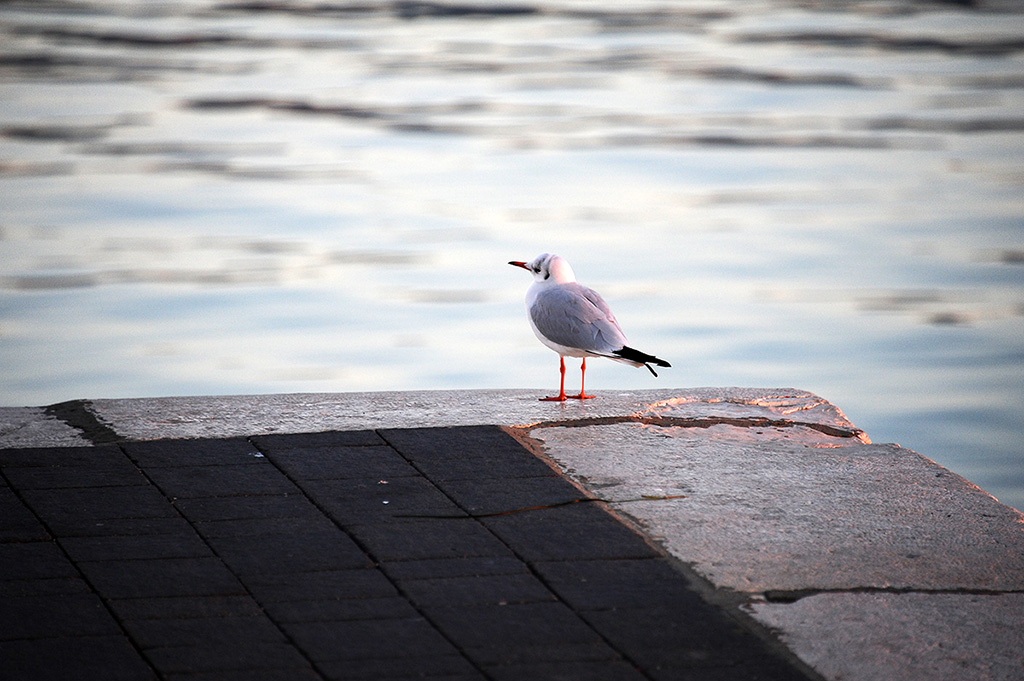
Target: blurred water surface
x,y
217,197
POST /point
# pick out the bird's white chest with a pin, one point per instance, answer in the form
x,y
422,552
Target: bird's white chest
x,y
531,293
531,300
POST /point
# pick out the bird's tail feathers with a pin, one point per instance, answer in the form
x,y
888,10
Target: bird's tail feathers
x,y
640,358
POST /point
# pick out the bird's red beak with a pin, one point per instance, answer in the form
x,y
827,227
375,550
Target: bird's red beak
x,y
518,263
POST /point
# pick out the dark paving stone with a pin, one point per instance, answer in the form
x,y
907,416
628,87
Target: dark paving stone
x,y
290,506
583,512
451,667
80,457
179,607
80,526
313,521
17,522
759,667
352,502
34,560
330,438
424,444
215,656
621,583
84,658
665,637
298,551
67,506
431,568
242,632
285,674
328,610
136,547
333,585
474,452
486,466
256,559
162,577
503,495
575,670
121,472
42,587
198,452
491,656
677,643
577,532
477,590
54,615
332,463
526,625
221,480
369,639
419,539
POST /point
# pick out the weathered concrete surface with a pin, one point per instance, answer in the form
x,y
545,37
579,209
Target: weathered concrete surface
x,y
903,636
792,509
869,560
225,416
32,427
297,413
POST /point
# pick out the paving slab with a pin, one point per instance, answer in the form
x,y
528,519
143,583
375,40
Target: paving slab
x,y
360,574
185,607
183,544
84,657
17,522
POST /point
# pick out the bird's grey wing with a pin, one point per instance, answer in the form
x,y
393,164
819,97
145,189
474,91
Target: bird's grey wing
x,y
577,317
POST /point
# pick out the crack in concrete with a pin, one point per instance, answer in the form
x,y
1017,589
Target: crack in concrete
x,y
785,597
702,422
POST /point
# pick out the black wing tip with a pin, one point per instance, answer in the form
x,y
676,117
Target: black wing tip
x,y
635,355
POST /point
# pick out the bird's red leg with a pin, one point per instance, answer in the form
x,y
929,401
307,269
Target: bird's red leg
x,y
583,376
561,386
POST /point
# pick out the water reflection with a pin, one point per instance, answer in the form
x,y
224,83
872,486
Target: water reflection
x,y
221,197
63,261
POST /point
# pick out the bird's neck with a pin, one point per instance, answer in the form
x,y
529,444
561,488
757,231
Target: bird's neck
x,y
536,288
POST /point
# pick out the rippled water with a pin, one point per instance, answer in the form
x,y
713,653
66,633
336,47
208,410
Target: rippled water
x,y
239,197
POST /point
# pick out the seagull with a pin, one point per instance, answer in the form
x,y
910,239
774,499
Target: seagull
x,y
574,321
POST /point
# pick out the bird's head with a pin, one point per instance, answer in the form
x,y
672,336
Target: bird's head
x,y
548,267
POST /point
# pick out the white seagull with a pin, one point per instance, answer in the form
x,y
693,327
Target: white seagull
x,y
574,321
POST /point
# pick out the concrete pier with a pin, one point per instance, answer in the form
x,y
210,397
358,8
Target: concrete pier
x,y
709,533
